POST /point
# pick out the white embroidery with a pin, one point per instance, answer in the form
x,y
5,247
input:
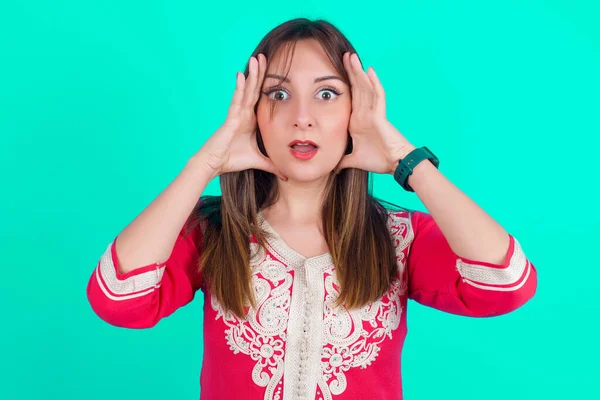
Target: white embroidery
x,y
352,337
480,275
261,335
318,342
123,289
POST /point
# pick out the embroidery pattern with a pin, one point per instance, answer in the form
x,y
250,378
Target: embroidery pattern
x,y
261,335
350,338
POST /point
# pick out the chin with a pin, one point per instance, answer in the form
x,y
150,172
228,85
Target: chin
x,y
308,174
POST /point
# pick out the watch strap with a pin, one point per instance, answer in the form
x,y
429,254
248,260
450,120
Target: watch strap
x,y
407,164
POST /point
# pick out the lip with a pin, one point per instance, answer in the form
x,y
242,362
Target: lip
x,y
302,142
303,156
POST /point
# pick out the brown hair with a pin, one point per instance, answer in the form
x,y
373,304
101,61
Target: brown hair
x,y
354,222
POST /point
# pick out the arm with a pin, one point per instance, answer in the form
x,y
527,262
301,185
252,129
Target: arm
x,y
461,260
150,269
150,237
154,272
143,296
470,231
441,279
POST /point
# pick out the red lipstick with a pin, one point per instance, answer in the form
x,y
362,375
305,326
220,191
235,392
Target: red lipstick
x,y
303,149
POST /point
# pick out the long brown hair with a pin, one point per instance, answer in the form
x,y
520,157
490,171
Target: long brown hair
x,y
354,222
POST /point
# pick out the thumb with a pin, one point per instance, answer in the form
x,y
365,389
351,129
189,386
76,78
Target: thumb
x,y
346,162
265,164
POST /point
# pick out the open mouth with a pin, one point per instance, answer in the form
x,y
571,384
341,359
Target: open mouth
x,y
303,149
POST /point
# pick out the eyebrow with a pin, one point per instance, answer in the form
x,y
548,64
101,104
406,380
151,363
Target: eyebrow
x,y
319,79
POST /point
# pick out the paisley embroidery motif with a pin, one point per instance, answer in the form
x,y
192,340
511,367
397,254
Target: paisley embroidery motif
x,y
261,335
350,338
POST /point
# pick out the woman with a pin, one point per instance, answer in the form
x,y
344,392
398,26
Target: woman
x,y
305,275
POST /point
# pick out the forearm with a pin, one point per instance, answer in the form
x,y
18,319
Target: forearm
x,y
150,237
469,230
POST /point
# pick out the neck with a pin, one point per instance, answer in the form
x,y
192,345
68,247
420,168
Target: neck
x,y
298,202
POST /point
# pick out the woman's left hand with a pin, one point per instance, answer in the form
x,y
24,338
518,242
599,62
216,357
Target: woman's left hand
x,y
377,144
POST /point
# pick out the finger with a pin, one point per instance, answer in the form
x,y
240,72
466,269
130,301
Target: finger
x,y
354,82
265,164
348,66
262,70
250,82
376,82
346,162
359,74
238,94
362,90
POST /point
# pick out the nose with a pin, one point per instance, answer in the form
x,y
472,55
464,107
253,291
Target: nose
x,y
302,117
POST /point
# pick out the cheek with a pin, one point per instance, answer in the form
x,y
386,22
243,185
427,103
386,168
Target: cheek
x,y
340,123
262,117
273,132
338,128
266,125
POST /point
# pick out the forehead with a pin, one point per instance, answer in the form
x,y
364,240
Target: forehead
x,y
308,58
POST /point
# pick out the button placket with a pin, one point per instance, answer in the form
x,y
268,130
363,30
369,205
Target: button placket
x,y
304,346
305,332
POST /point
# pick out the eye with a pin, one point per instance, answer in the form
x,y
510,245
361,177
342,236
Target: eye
x,y
278,91
329,90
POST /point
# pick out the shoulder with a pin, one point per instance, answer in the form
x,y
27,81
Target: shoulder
x,y
399,225
408,224
207,211
414,218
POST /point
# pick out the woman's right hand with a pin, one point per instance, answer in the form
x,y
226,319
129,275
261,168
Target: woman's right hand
x,y
233,146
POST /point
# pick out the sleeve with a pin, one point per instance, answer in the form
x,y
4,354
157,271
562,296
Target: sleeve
x,y
439,278
142,297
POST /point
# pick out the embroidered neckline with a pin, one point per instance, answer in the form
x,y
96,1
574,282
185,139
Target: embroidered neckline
x,y
295,320
292,256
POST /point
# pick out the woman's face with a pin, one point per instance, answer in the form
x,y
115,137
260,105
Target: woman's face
x,y
307,108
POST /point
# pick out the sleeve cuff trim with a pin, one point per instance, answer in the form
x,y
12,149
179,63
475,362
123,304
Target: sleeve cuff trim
x,y
134,285
479,274
502,288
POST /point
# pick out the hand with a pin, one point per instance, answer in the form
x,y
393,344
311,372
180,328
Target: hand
x,y
233,146
377,145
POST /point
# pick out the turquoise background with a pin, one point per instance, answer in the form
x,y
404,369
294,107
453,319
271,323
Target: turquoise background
x,y
103,102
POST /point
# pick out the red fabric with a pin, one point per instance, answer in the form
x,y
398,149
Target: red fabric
x,y
242,358
435,281
177,287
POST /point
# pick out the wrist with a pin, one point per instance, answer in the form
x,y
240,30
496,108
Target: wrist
x,y
199,167
420,171
414,166
400,153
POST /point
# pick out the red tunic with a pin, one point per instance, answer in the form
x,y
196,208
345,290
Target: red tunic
x,y
296,345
